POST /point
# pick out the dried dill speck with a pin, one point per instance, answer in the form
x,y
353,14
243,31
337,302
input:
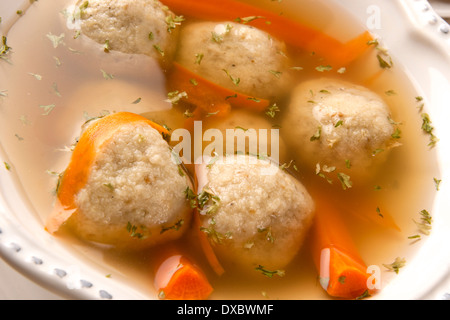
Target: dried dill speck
x,y
345,180
272,110
177,226
236,81
324,68
316,135
7,166
437,183
428,129
269,273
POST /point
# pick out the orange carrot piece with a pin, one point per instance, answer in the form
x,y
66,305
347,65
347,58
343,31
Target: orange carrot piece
x,y
342,271
208,96
294,33
178,278
206,246
77,172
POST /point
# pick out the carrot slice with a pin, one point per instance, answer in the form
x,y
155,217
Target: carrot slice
x,y
178,278
208,96
342,271
77,172
206,246
294,33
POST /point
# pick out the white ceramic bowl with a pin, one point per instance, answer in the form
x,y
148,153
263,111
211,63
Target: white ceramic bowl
x,y
413,33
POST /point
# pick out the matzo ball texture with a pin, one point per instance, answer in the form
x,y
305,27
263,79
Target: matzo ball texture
x,y
236,56
338,124
135,193
131,26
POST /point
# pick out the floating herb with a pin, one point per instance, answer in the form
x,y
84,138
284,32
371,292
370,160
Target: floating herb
x,y
272,110
56,40
173,21
175,227
133,231
7,166
248,19
198,58
324,68
236,81
158,48
268,273
437,183
47,109
428,129
106,75
316,135
175,96
345,180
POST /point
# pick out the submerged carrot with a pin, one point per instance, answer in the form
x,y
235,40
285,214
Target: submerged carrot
x,y
294,33
211,98
77,172
178,278
342,271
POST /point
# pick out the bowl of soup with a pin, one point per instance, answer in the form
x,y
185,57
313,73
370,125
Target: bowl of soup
x,y
225,149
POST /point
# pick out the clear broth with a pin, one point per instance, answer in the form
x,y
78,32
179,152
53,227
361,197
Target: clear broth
x,y
72,81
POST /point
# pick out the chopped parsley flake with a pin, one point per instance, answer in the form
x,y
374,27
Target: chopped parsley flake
x,y
56,40
390,93
317,134
199,58
36,76
272,110
385,61
106,46
7,166
268,234
236,81
158,48
175,227
4,49
216,237
47,109
133,231
437,183
345,180
175,96
106,75
188,114
277,74
396,134
425,222
324,68
268,273
173,21
136,101
428,129
248,19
